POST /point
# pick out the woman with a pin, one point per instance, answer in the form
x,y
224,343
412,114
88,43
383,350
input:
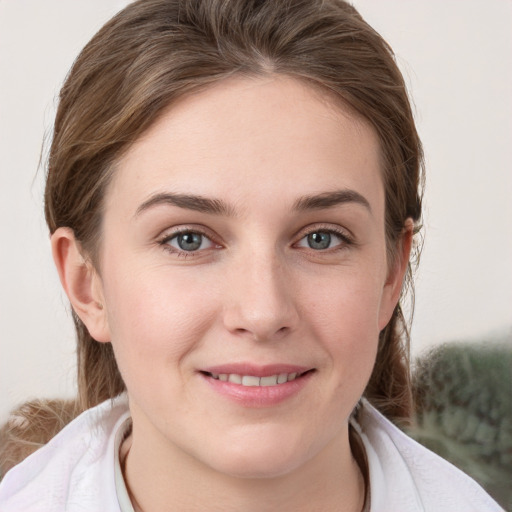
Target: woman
x,y
232,194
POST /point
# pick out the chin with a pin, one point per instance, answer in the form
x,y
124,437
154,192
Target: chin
x,y
261,457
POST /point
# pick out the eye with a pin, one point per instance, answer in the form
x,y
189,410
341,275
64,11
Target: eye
x,y
322,240
188,241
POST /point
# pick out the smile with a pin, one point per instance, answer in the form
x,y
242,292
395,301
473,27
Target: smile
x,y
253,386
253,381
256,386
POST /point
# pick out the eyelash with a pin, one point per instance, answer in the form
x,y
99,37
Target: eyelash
x,y
346,240
164,241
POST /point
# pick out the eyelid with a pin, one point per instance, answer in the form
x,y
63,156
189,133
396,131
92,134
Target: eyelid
x,y
344,234
173,232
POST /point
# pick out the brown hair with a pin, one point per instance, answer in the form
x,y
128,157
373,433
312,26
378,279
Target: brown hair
x,y
155,51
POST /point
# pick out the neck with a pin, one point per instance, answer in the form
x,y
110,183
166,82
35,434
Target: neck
x,y
330,481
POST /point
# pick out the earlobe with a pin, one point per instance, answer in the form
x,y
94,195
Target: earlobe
x,y
81,283
396,275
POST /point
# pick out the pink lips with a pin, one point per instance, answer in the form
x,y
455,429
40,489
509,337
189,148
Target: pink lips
x,y
257,386
258,371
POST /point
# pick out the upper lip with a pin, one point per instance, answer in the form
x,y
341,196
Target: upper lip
x,y
255,370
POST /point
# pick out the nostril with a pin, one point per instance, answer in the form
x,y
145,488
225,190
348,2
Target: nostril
x,y
263,321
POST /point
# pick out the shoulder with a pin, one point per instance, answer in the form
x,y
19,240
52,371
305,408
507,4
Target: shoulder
x,y
62,473
406,476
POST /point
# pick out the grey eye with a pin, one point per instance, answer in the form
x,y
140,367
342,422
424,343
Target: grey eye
x,y
188,241
319,240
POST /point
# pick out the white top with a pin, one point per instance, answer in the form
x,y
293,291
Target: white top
x,y
77,470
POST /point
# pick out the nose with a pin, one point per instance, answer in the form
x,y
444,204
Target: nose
x,y
261,304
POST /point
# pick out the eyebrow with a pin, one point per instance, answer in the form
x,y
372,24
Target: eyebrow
x,y
218,207
330,199
189,202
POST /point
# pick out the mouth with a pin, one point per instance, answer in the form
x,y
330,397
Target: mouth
x,y
257,386
256,381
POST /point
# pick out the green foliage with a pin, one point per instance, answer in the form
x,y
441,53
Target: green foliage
x,y
463,395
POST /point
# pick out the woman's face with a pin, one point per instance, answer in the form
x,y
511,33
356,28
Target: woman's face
x,y
244,276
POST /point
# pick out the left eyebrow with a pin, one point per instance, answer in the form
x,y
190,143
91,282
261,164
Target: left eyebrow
x,y
188,202
330,199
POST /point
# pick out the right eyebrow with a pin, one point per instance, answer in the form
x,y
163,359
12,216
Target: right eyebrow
x,y
189,202
331,199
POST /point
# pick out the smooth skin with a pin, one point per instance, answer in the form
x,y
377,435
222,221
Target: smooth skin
x,y
245,226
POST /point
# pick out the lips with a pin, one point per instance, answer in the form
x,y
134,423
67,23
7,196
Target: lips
x,y
253,380
257,386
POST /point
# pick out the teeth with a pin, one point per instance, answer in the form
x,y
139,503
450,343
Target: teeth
x,y
234,378
269,381
251,380
282,377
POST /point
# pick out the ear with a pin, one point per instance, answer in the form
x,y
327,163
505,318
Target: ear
x,y
396,273
81,282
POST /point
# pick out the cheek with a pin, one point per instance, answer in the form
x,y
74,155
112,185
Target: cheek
x,y
345,318
348,302
155,316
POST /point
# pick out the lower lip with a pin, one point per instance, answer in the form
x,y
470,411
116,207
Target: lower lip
x,y
258,396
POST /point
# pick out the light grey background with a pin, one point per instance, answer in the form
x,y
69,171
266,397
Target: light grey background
x,y
457,59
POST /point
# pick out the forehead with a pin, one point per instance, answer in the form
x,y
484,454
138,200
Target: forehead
x,y
272,136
